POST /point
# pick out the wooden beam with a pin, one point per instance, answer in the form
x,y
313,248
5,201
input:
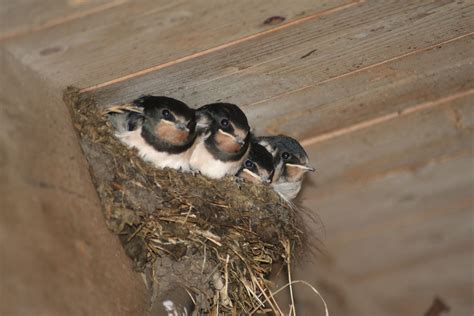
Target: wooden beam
x,y
58,257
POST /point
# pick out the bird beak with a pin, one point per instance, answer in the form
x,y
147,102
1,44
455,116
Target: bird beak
x,y
182,126
309,168
304,167
266,180
240,141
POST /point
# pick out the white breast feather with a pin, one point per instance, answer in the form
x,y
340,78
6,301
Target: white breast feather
x,y
203,161
288,190
134,139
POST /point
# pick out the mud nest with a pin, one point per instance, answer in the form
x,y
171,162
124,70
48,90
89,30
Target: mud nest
x,y
216,239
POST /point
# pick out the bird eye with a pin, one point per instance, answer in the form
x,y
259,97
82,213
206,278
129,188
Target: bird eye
x,y
166,113
285,155
249,164
224,122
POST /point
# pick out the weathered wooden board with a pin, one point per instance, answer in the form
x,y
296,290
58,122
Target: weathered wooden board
x,y
398,145
22,17
58,258
412,291
273,65
416,227
408,291
143,34
397,200
381,92
393,86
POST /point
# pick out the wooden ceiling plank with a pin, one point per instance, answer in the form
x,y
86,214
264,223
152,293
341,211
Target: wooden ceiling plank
x,y
414,241
143,34
18,18
399,185
401,146
273,65
391,90
396,199
412,291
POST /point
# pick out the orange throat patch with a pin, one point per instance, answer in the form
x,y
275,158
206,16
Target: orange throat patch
x,y
170,133
226,143
249,176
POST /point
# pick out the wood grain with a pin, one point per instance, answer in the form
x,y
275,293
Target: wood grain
x,y
411,291
19,18
143,34
379,91
396,200
400,145
272,66
58,257
423,228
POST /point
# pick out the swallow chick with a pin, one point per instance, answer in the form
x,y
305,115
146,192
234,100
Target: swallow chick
x,y
162,129
223,142
290,161
258,167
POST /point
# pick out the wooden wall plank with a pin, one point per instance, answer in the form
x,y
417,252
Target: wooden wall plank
x,y
272,65
412,291
395,194
360,159
419,230
407,291
396,201
408,206
405,143
424,77
399,221
143,34
18,18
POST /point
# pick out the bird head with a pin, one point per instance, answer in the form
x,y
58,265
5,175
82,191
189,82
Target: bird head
x,y
290,160
226,126
258,167
169,120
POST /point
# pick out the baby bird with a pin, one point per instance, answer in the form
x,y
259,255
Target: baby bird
x,y
223,142
290,162
163,131
258,168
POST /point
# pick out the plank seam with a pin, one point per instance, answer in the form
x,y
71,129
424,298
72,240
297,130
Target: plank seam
x,y
62,20
223,46
385,118
386,61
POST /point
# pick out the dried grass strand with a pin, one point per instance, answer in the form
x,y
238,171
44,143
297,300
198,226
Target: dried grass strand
x,y
326,310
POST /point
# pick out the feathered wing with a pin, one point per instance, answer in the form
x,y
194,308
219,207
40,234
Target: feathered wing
x,y
125,117
203,120
125,122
